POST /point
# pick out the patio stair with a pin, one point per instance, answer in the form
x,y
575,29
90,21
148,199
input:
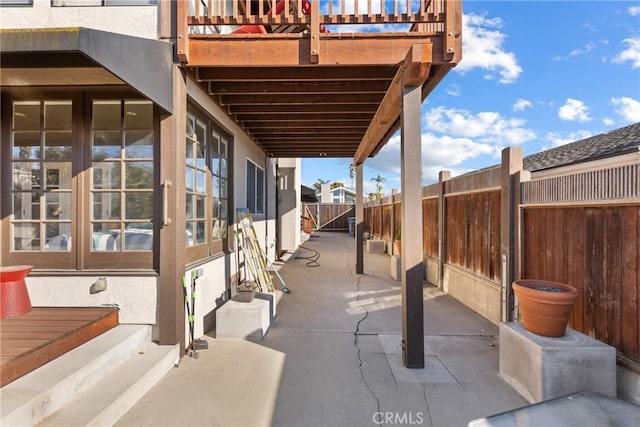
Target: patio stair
x,y
94,384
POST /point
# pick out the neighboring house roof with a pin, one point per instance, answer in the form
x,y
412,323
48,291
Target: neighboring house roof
x,y
307,195
613,143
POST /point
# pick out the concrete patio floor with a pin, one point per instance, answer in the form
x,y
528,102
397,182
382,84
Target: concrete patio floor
x,y
333,358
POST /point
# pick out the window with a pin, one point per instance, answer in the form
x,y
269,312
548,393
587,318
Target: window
x,y
207,183
79,176
10,3
41,176
72,3
255,188
122,178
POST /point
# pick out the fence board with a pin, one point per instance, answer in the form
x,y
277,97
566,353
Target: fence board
x,y
430,226
598,254
386,222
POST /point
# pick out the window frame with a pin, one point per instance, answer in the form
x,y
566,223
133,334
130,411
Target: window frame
x,y
212,248
258,191
80,256
16,3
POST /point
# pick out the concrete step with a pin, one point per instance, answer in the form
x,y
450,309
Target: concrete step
x,y
35,396
111,397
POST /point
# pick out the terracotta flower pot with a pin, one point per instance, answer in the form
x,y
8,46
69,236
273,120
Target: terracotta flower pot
x,y
545,306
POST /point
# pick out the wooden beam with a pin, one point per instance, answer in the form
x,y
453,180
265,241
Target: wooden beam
x,y
286,52
295,74
453,31
413,69
304,117
300,99
343,124
286,110
325,87
182,29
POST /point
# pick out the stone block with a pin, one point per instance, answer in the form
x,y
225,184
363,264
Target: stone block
x,y
243,319
376,246
542,368
396,267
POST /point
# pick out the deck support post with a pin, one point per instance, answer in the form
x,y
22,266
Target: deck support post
x,y
169,252
359,220
411,233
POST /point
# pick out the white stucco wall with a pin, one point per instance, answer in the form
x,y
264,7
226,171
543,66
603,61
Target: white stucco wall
x,y
139,21
135,296
289,208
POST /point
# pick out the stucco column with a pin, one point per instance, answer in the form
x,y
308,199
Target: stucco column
x,y
359,220
411,235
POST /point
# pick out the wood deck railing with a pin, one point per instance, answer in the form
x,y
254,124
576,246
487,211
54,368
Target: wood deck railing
x,y
330,12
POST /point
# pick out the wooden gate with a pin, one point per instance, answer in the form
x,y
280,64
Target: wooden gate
x,y
329,216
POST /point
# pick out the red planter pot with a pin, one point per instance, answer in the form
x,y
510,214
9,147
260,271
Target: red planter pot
x,y
14,297
545,306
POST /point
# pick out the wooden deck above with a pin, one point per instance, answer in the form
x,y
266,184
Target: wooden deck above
x,y
34,339
304,85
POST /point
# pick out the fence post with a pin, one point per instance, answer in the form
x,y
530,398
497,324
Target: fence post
x,y
442,226
519,178
511,165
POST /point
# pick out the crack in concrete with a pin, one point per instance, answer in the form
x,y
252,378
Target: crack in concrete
x,y
356,333
424,395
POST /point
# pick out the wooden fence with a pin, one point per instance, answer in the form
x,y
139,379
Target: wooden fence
x,y
499,225
328,216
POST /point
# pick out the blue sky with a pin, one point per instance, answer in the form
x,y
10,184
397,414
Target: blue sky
x,y
534,74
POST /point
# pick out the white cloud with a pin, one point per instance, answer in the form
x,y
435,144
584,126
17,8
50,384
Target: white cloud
x,y
482,47
574,110
454,90
607,121
628,108
487,126
521,104
557,139
634,10
631,53
439,152
586,49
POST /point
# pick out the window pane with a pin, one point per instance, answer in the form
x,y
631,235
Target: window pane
x,y
215,181
189,233
223,188
223,167
26,116
57,145
26,175
200,232
26,237
24,206
58,237
201,131
137,237
106,145
200,159
106,206
105,237
251,186
138,144
26,145
138,115
200,181
215,209
106,175
58,206
106,115
260,191
58,175
189,156
189,179
139,205
57,115
223,209
200,204
215,164
189,212
139,174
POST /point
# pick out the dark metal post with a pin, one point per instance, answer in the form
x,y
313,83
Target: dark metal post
x,y
359,220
